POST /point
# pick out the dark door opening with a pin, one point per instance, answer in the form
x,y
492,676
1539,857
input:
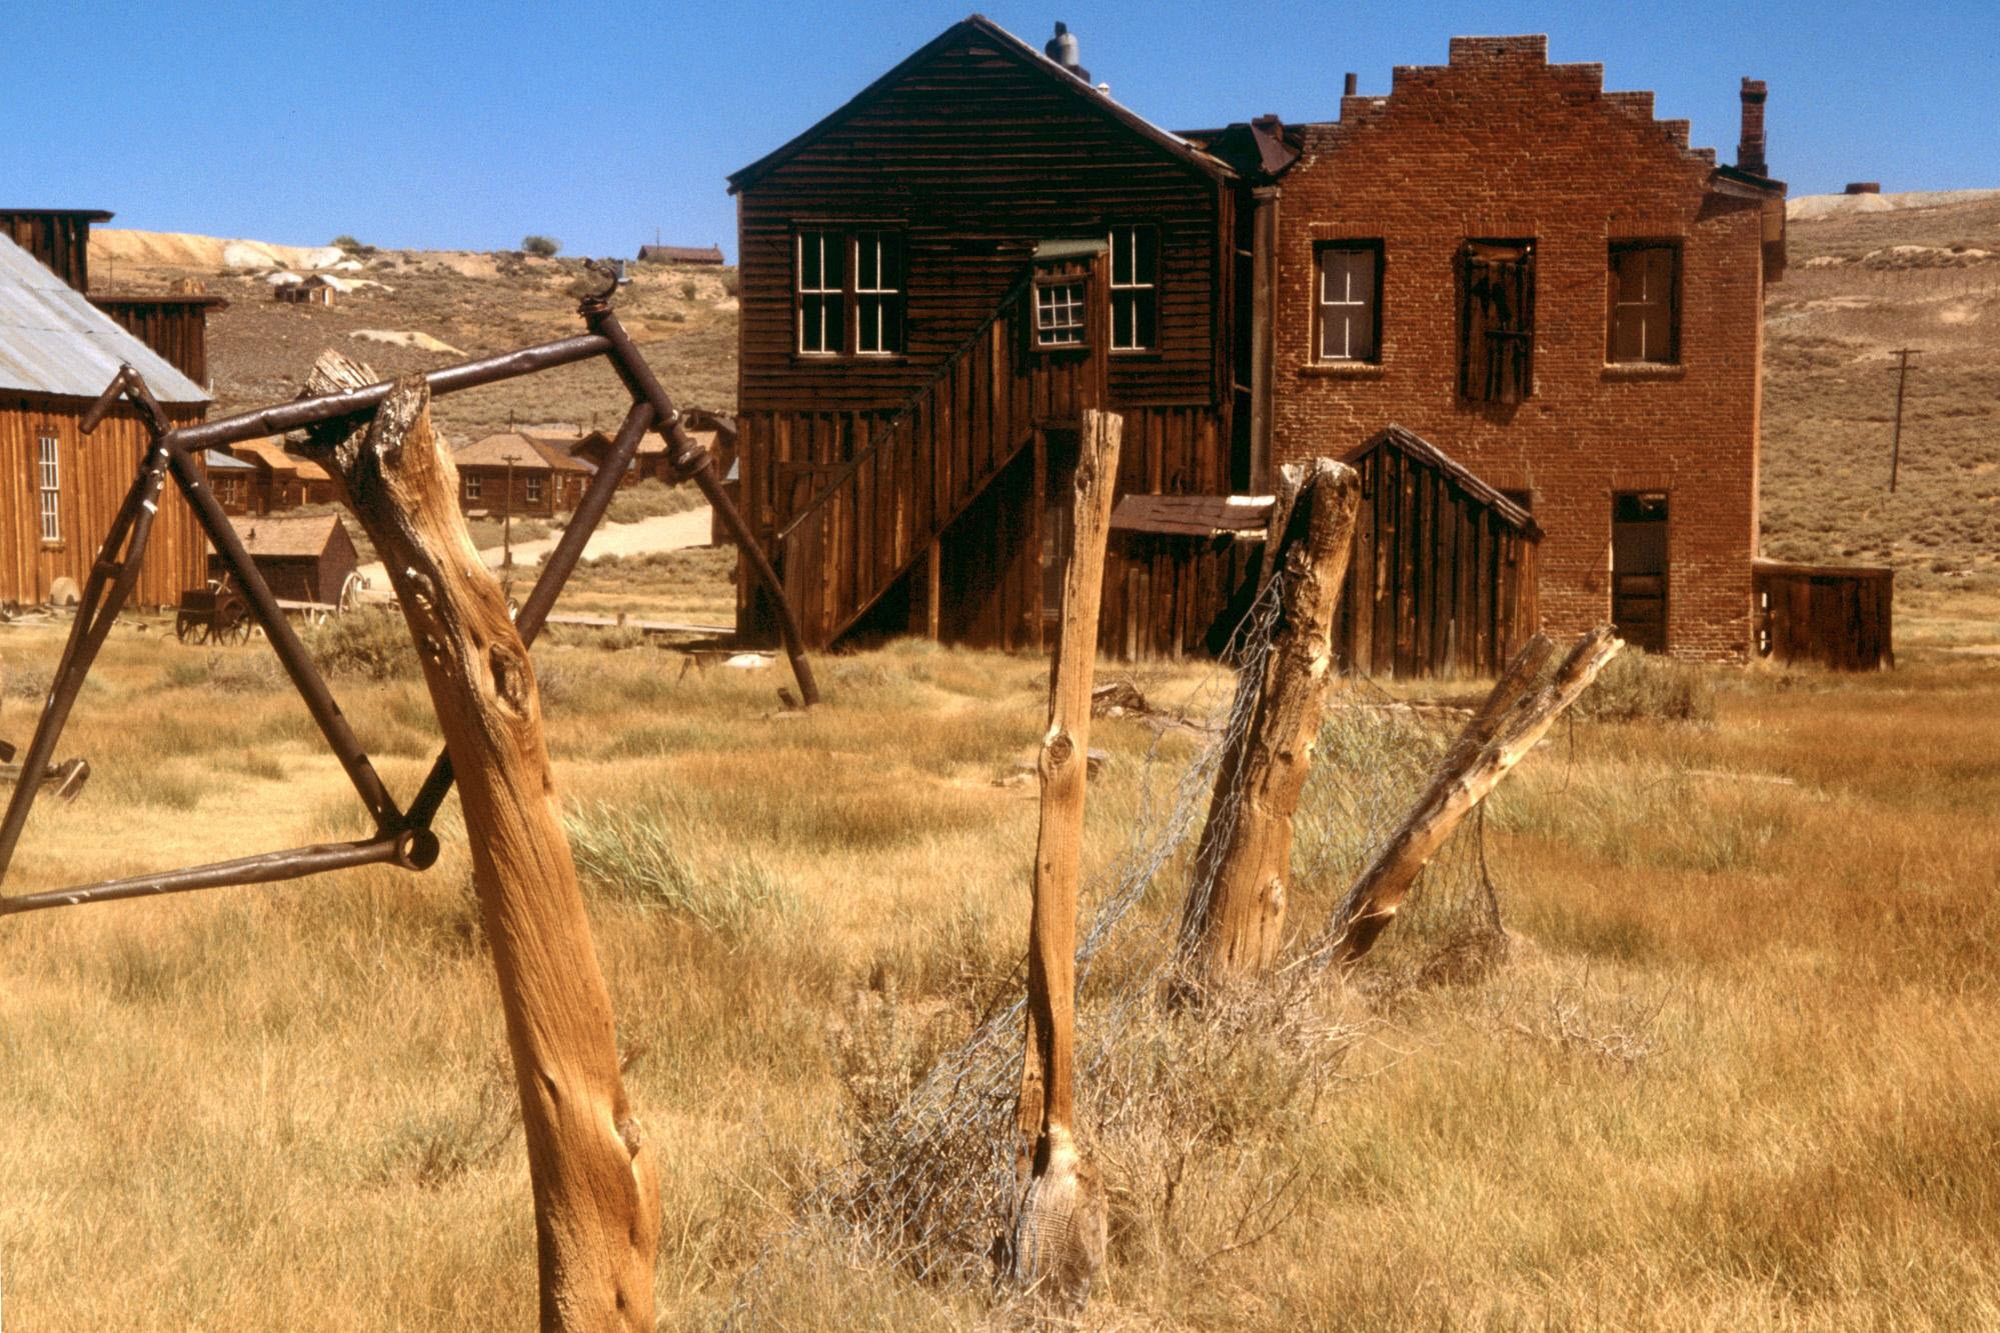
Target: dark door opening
x,y
1639,569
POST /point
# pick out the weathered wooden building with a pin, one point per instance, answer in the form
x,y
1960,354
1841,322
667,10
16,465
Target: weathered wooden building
x,y
280,480
546,481
911,375
174,324
1443,577
60,489
57,238
1838,616
706,256
303,557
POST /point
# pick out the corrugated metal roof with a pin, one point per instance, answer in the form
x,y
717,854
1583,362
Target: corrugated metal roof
x,y
52,340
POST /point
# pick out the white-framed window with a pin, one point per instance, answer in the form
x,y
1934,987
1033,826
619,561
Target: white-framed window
x,y
821,292
1350,299
1645,323
534,490
49,476
878,295
1135,288
1060,306
473,486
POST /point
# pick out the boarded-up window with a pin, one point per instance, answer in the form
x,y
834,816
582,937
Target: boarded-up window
x,y
878,293
1497,321
1350,298
1059,313
821,292
1135,288
49,470
1645,304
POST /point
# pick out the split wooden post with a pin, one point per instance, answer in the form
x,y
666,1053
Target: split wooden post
x,y
1471,770
1234,917
1059,1231
596,1185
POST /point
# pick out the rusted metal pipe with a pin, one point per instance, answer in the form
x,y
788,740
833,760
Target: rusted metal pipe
x,y
694,461
412,849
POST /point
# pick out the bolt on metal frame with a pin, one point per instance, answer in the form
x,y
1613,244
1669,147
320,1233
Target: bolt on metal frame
x,y
402,837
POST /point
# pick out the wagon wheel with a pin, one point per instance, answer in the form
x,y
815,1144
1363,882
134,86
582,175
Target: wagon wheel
x,y
188,628
232,621
350,592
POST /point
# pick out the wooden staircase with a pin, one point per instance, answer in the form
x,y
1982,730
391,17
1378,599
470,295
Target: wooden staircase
x,y
891,504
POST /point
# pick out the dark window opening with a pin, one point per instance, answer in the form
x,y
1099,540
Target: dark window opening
x,y
1135,288
848,292
1061,306
1639,565
1497,321
1644,315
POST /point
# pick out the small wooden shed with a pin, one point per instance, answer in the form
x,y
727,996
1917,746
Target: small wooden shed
x,y
1442,582
304,557
1839,616
1180,572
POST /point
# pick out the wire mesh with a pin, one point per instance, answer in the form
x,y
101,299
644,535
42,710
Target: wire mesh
x,y
931,1188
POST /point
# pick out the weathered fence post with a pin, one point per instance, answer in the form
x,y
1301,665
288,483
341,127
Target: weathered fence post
x,y
596,1188
1234,917
1059,1232
1500,734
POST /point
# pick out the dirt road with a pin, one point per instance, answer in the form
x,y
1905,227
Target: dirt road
x,y
672,532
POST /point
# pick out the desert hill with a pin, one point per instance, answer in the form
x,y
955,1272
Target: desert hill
x,y
1870,274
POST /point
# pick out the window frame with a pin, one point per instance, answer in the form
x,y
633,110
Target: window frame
x,y
889,293
1080,305
474,486
1371,246
531,489
1143,291
48,486
1632,246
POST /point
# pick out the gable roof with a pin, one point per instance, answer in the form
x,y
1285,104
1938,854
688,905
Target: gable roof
x,y
529,454
978,25
292,535
54,341
1428,454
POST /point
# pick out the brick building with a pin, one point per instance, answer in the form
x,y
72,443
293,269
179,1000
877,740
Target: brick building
x,y
1539,275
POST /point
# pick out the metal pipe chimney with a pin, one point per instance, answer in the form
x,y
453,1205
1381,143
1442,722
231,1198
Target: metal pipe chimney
x,y
1062,48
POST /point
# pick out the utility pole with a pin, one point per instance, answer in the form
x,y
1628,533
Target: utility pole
x,y
507,515
1903,355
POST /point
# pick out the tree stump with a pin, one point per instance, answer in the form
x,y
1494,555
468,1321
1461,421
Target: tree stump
x,y
596,1188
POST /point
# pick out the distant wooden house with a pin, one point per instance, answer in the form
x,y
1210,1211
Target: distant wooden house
x,y
310,290
546,480
304,557
706,255
60,489
1443,580
281,480
232,480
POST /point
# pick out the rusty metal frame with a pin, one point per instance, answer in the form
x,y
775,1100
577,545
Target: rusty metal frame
x,y
402,837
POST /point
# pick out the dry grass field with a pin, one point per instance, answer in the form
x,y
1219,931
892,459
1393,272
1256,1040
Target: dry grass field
x,y
1735,1072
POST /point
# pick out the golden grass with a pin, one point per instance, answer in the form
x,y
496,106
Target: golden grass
x,y
1735,1074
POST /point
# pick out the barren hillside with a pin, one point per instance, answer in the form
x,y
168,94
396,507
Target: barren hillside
x,y
462,305
1868,276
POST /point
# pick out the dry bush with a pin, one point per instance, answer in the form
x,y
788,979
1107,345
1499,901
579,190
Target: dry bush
x,y
652,498
1640,687
369,642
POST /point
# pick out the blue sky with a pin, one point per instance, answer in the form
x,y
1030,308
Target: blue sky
x,y
468,126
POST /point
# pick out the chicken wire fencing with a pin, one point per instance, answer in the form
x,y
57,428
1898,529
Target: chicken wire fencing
x,y
930,1188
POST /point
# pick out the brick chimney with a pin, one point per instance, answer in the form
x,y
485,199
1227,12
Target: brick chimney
x,y
1750,147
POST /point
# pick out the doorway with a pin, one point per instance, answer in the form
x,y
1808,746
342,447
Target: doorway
x,y
1639,568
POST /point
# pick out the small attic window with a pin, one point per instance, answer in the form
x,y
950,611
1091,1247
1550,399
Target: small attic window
x,y
1060,318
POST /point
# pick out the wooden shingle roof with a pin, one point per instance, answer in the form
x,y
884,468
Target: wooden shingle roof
x,y
291,535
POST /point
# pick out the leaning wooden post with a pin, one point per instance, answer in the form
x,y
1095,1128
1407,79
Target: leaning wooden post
x,y
596,1186
1234,917
1059,1230
1472,769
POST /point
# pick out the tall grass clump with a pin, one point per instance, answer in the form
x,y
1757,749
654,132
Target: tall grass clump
x,y
1638,687
371,642
636,856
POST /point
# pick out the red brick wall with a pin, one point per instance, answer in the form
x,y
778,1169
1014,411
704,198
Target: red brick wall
x,y
1501,144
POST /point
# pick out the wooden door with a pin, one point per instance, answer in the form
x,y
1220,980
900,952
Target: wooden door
x,y
1639,568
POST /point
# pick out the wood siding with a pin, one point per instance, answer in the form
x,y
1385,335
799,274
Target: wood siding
x,y
1440,583
175,328
95,473
1842,617
1167,596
